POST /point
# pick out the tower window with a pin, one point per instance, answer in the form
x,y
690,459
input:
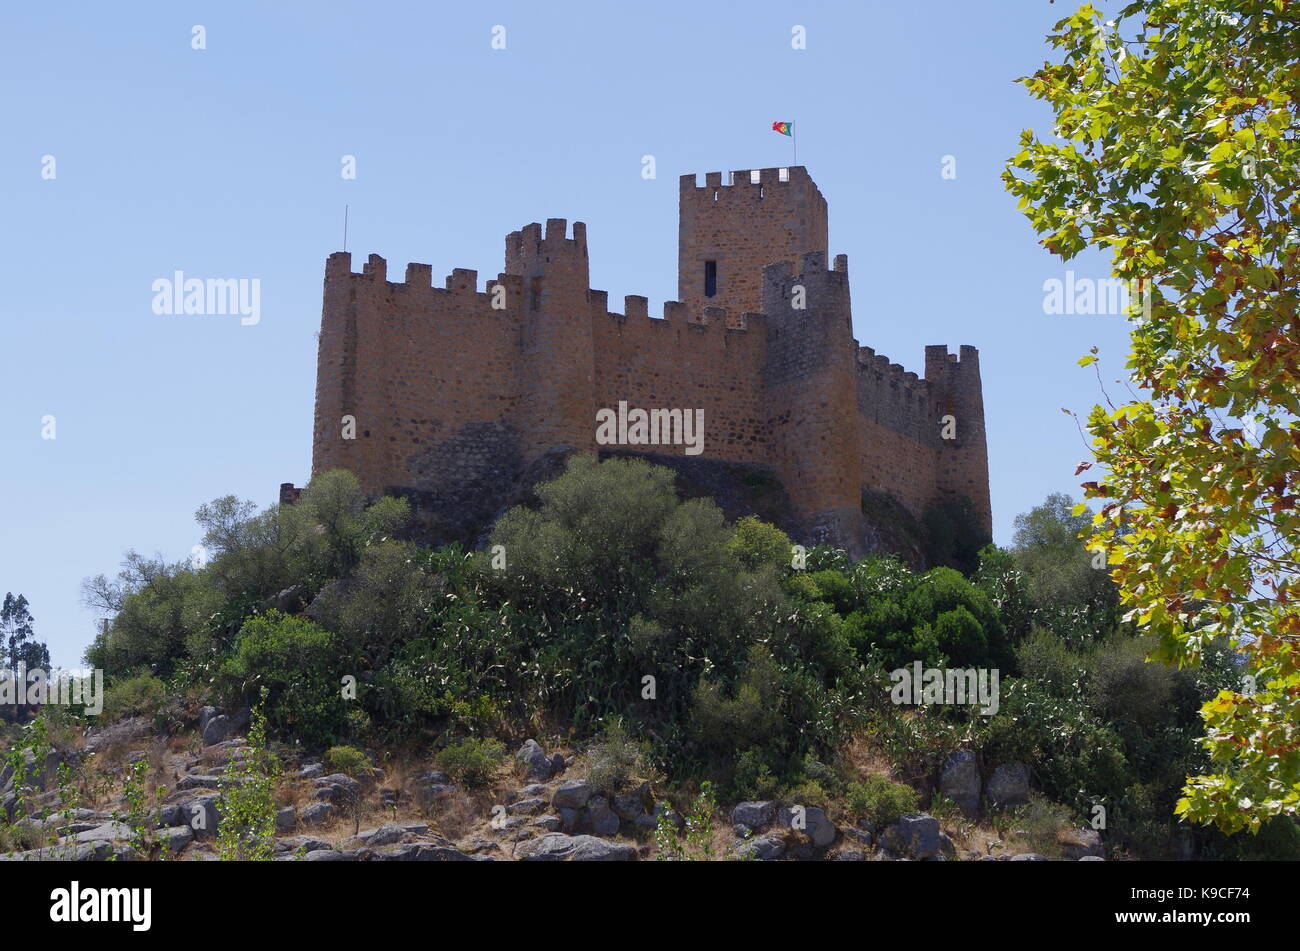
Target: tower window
x,y
710,278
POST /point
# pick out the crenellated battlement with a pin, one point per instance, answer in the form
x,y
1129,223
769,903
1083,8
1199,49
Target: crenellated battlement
x,y
456,390
741,178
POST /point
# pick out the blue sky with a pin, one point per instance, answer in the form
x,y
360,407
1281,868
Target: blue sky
x,y
225,162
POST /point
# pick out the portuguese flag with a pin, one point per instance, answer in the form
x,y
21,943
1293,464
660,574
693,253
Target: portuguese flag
x,y
785,128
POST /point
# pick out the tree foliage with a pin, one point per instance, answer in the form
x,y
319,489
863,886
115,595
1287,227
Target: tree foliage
x,y
1176,150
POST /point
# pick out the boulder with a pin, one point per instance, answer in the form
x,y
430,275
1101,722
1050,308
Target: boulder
x,y
107,832
526,807
1028,857
172,815
815,823
291,600
220,728
1080,843
860,836
198,782
535,761
1008,786
129,730
632,803
306,843
421,852
599,818
329,855
384,835
959,781
203,815
763,848
558,847
205,717
286,819
176,838
914,834
98,851
572,794
317,813
947,848
753,815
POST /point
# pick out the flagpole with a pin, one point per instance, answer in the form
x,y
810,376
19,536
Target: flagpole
x,y
794,140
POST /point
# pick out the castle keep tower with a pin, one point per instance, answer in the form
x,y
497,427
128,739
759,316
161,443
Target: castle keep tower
x,y
728,232
461,399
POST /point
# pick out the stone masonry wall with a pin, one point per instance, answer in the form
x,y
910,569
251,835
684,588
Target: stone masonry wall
x,y
457,401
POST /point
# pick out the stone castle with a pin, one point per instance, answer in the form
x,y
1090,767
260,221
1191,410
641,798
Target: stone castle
x,y
461,399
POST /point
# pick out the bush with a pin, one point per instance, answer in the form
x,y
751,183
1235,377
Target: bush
x,y
752,778
348,760
1126,688
300,664
757,544
1045,659
473,761
880,801
750,718
615,761
1037,826
158,609
140,696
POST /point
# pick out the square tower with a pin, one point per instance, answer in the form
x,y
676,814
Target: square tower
x,y
727,232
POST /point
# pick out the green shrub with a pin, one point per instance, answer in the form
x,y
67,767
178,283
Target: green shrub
x,y
139,696
1037,827
473,761
749,718
1046,659
615,761
300,664
348,760
807,794
1126,688
247,827
835,587
752,778
757,544
879,801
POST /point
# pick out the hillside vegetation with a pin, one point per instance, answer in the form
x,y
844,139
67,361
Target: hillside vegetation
x,y
639,654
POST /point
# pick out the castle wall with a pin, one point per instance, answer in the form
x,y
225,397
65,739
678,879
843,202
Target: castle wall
x,y
898,432
431,375
808,378
461,405
686,364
